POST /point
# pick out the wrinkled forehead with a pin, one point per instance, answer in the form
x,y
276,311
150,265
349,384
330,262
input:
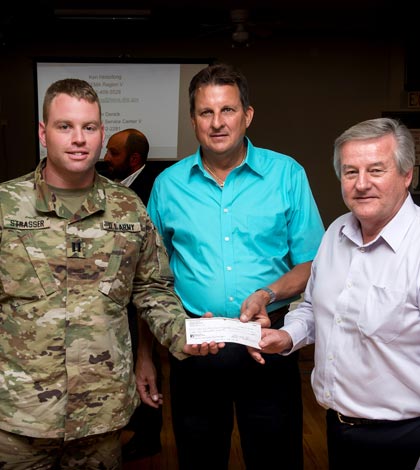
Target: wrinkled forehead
x,y
372,149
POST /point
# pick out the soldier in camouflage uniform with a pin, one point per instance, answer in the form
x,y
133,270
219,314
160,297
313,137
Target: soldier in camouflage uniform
x,y
74,247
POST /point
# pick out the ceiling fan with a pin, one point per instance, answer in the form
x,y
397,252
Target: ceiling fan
x,y
239,27
240,34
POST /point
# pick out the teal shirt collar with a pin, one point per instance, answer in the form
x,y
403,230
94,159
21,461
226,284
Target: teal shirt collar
x,y
251,160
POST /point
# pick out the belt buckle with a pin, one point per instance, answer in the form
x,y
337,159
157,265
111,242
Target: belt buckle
x,y
343,421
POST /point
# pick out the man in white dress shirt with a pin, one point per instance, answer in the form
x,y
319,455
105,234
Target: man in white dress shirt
x,y
361,306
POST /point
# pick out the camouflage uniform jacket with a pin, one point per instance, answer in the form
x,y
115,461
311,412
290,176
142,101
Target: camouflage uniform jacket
x,y
66,366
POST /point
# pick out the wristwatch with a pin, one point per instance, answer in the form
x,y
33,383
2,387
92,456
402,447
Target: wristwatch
x,y
270,293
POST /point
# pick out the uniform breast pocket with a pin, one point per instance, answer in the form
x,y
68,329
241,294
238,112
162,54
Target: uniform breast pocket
x,y
25,273
382,317
117,282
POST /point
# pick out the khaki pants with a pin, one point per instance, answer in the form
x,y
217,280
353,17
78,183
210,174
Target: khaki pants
x,y
101,451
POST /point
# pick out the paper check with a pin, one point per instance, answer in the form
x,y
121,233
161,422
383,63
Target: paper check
x,y
222,330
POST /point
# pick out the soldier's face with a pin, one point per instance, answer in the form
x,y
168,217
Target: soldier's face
x,y
73,137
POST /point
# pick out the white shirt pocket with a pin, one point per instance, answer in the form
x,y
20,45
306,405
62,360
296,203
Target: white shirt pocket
x,y
382,316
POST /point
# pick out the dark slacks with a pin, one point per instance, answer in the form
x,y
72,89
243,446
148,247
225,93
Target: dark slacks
x,y
385,446
206,392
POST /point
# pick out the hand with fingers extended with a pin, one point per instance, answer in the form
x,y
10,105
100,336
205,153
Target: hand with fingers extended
x,y
203,349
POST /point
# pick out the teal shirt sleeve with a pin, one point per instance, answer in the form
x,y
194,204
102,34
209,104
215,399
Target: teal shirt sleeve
x,y
305,226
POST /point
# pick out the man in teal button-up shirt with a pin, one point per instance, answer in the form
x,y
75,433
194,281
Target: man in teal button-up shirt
x,y
235,219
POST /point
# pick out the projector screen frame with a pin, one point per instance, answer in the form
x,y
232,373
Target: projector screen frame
x,y
185,141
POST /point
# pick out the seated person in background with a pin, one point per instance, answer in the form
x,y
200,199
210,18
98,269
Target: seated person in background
x,y
125,161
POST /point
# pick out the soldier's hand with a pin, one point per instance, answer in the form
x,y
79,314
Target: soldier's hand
x,y
146,381
203,349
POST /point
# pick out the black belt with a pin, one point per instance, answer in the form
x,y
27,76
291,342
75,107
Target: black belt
x,y
278,314
352,421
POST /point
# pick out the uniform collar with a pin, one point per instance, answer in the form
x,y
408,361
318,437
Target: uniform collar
x,y
46,200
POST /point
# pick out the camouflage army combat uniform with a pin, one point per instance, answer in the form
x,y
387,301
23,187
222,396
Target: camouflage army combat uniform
x,y
65,352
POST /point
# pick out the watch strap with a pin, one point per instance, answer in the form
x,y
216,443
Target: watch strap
x,y
270,293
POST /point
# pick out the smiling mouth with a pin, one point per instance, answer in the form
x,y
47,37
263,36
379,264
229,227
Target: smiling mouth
x,y
364,198
78,154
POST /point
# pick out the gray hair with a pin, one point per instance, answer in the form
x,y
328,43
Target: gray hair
x,y
373,128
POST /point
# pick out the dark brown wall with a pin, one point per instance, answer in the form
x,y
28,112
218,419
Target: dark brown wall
x,y
306,89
